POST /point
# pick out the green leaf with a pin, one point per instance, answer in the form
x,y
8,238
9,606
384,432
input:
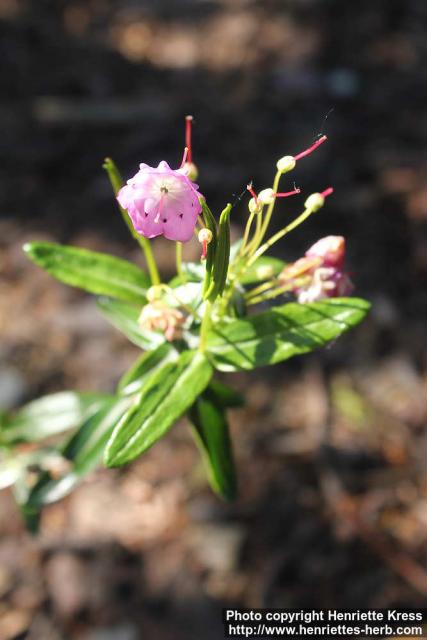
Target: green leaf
x,y
282,332
219,272
225,396
212,435
134,379
264,268
194,271
163,399
91,271
125,318
50,415
83,452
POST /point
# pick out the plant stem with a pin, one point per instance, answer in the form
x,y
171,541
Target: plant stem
x,y
273,293
279,235
150,260
178,255
206,323
260,289
269,212
117,182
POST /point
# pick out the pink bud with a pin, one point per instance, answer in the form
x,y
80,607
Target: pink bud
x,y
331,251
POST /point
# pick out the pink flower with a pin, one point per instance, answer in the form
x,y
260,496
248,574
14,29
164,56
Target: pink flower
x,y
157,316
319,274
326,282
161,201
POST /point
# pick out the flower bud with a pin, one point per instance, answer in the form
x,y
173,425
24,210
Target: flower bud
x,y
205,235
190,170
154,293
266,196
314,202
331,250
255,206
285,164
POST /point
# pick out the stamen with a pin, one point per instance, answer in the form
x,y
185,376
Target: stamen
x,y
188,124
184,157
327,192
252,192
286,194
312,148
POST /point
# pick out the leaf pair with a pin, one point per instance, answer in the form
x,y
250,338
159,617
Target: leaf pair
x,y
164,397
168,385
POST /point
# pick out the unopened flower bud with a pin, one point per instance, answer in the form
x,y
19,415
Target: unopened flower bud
x,y
314,202
255,206
331,250
266,196
154,293
205,237
190,170
285,164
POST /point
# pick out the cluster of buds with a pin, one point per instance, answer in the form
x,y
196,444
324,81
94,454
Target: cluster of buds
x,y
157,315
319,274
284,165
266,197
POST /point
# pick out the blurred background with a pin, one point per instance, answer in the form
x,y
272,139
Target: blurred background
x,y
331,448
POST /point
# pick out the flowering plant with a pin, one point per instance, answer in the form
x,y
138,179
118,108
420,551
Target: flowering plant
x,y
214,315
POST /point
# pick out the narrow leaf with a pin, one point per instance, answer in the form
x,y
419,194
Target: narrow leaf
x,y
91,271
282,332
163,399
225,396
83,452
134,379
50,415
211,433
125,318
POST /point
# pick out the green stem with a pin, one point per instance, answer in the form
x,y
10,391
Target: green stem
x,y
260,289
206,323
117,182
270,210
246,232
178,256
150,260
279,235
270,294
